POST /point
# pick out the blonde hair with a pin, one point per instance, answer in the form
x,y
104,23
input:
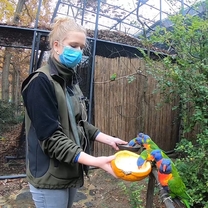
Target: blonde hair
x,y
61,26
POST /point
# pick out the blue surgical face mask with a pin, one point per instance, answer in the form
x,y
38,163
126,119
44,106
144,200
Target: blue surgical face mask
x,y
70,57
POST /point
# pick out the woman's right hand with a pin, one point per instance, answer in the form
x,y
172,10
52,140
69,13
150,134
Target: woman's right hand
x,y
103,162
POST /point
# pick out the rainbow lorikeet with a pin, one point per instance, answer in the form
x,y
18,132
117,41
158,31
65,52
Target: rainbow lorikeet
x,y
145,141
170,179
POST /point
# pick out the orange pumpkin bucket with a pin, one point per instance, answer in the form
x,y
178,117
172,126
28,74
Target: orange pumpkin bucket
x,y
125,166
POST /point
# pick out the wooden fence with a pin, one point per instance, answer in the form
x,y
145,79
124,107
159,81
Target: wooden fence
x,y
127,105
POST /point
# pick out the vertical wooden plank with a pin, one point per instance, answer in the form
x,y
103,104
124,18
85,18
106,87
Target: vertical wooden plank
x,y
115,114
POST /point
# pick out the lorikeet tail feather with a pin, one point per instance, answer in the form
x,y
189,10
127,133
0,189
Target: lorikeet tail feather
x,y
185,203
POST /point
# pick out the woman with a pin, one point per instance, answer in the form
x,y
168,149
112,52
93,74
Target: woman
x,y
57,131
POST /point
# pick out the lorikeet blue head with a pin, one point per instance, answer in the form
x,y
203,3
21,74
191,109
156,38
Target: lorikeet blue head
x,y
140,162
132,142
156,154
141,139
144,140
138,140
165,166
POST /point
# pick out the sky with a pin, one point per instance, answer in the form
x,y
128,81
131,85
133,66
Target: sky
x,y
125,10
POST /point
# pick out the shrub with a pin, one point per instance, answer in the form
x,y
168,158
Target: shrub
x,y
9,116
193,167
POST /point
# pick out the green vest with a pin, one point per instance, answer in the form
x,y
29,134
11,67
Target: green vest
x,y
65,174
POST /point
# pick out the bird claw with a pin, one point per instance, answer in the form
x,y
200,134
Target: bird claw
x,y
167,198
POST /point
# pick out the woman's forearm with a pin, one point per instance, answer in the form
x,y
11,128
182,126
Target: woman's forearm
x,y
87,159
104,138
100,162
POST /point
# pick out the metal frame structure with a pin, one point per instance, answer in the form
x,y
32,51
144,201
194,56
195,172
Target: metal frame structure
x,y
103,15
120,15
116,16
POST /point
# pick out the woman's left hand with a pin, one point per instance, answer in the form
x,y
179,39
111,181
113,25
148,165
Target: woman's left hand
x,y
115,141
110,140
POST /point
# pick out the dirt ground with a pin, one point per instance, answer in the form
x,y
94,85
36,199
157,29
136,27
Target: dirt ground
x,y
101,190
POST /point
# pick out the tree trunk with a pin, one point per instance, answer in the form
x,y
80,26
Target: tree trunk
x,y
13,85
8,55
5,76
16,86
18,10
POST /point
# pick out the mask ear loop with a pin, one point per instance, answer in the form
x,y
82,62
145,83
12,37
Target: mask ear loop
x,y
83,109
84,114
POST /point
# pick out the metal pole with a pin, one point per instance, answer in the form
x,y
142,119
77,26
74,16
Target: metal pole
x,y
55,10
13,176
182,6
83,12
34,38
160,12
93,64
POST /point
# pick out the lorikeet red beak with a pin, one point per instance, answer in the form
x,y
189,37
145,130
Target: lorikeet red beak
x,y
164,168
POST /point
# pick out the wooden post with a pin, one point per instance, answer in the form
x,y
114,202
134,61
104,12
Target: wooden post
x,y
150,191
153,177
163,194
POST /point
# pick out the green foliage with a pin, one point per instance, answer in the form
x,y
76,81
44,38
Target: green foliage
x,y
8,7
131,78
113,77
8,115
133,193
186,73
6,111
183,73
193,167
